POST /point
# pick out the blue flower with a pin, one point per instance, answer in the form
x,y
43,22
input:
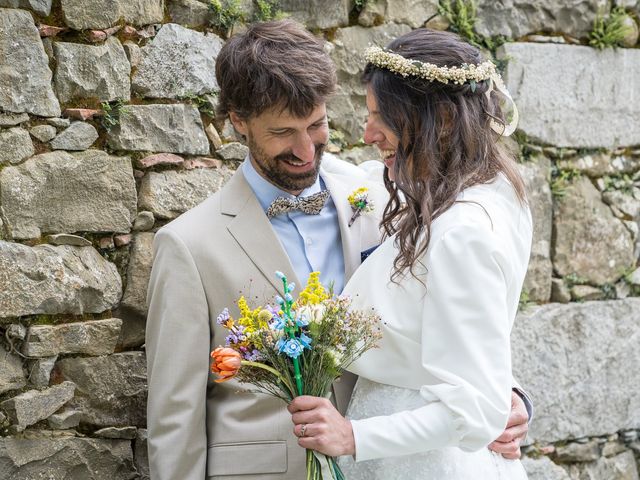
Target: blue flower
x,y
278,323
280,275
302,321
291,347
288,297
305,340
279,300
291,287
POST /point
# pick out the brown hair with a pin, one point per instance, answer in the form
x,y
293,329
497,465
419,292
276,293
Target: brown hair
x,y
446,143
273,64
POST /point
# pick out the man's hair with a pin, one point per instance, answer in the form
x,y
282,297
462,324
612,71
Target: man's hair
x,y
274,64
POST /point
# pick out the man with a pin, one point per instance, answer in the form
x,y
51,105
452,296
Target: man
x,y
274,81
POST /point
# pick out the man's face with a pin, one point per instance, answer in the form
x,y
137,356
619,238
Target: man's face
x,y
286,150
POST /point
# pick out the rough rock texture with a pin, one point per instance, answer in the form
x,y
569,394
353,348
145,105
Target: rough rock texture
x,y
566,354
11,373
48,280
620,467
233,151
584,86
318,14
160,128
599,249
178,62
410,12
44,133
41,7
25,86
98,337
10,119
140,454
35,405
81,15
543,469
190,13
515,18
110,390
347,108
92,71
135,294
79,136
40,371
170,193
59,192
15,145
67,458
536,176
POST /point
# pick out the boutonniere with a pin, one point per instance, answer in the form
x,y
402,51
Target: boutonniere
x,y
360,203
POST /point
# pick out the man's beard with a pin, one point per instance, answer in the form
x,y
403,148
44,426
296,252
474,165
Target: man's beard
x,y
272,167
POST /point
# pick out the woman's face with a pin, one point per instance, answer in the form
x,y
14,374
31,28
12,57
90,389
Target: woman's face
x,y
378,133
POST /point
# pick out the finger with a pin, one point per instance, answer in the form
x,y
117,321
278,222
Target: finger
x,y
509,450
306,402
518,412
301,432
307,416
513,433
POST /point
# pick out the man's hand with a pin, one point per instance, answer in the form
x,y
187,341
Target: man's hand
x,y
508,444
320,427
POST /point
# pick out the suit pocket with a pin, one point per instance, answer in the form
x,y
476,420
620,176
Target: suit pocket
x,y
247,458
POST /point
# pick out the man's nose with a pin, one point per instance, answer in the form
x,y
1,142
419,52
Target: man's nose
x,y
304,148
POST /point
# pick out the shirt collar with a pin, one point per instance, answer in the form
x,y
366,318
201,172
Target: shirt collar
x,y
265,191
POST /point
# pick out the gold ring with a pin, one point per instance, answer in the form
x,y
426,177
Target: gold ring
x,y
303,429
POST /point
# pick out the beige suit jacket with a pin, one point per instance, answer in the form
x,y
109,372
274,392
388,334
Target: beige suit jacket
x,y
203,261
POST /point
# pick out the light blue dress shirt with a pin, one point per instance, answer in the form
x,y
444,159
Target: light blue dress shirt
x,y
312,242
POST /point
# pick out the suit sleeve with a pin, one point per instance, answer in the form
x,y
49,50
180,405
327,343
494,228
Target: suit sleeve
x,y
465,348
177,345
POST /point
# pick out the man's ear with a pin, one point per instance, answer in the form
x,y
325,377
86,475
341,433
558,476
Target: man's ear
x,y
239,123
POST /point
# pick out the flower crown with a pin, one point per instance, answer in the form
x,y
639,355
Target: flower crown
x,y
465,73
406,67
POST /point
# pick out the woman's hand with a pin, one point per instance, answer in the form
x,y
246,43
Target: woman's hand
x,y
320,427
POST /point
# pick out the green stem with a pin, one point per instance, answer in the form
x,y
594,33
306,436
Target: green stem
x,y
291,332
271,370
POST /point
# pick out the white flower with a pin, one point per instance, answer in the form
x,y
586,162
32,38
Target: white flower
x,y
312,313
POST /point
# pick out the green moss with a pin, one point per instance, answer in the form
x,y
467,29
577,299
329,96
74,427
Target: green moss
x,y
561,180
609,30
462,16
202,103
112,111
225,14
525,301
266,10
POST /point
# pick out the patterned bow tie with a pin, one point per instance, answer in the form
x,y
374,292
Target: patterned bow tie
x,y
311,205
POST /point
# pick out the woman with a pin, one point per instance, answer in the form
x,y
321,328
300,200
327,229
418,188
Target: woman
x,y
446,281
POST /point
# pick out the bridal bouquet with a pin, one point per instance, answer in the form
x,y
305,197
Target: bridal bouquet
x,y
297,347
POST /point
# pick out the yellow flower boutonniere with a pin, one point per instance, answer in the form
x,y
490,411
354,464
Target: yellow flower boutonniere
x,y
360,203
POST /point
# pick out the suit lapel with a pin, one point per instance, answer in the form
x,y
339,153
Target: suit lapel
x,y
351,236
253,232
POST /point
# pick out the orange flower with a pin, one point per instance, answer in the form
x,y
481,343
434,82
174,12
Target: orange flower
x,y
225,363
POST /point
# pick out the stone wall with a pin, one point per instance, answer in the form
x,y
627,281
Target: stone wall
x,y
107,132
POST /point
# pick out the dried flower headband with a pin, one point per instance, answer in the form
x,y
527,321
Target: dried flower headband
x,y
460,75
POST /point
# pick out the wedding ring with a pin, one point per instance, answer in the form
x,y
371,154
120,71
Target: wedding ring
x,y
303,429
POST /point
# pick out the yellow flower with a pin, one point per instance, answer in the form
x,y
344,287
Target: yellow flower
x,y
314,293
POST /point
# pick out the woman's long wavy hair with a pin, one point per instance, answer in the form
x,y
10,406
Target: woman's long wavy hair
x,y
446,143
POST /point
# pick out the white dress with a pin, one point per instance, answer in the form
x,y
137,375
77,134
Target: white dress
x,y
438,390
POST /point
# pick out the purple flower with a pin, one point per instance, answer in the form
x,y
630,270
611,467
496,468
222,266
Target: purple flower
x,y
223,317
253,356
